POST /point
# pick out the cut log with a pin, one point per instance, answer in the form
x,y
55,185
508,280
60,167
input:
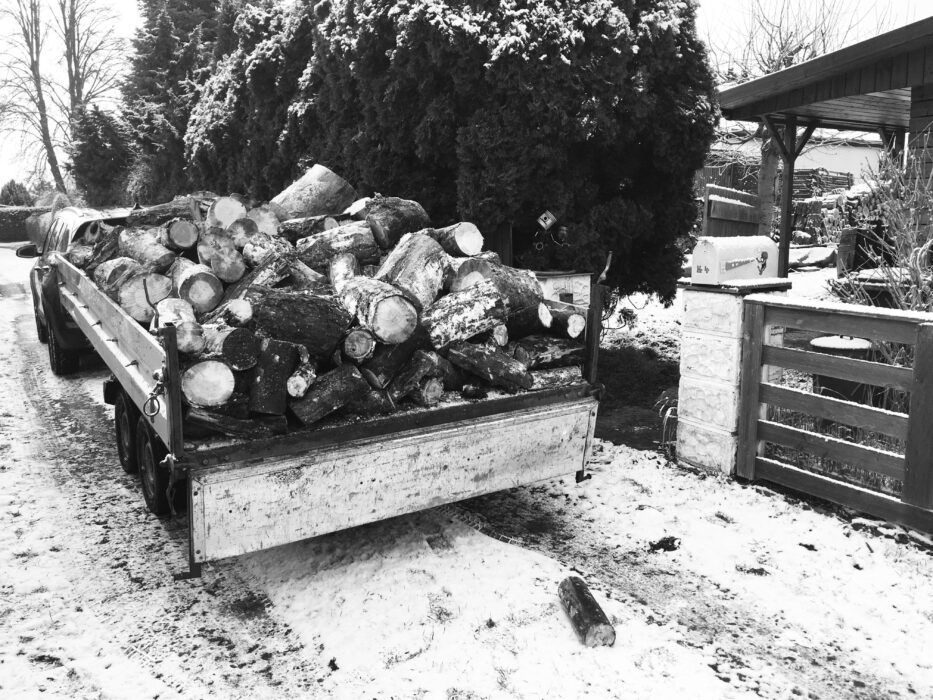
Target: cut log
x,y
355,237
106,248
188,333
111,274
454,263
214,422
302,277
330,392
464,314
268,391
210,241
408,380
267,221
241,230
374,403
261,245
317,322
416,266
387,360
499,335
392,217
318,191
159,214
452,376
343,268
179,234
228,265
545,352
566,320
429,392
359,345
79,255
139,294
301,379
520,291
238,347
494,366
196,284
459,240
223,211
143,246
208,384
268,273
380,308
294,230
357,210
236,313
588,619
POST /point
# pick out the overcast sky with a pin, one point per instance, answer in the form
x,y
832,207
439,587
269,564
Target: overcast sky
x,y
720,22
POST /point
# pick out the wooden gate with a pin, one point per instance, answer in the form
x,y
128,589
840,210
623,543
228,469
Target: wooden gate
x,y
899,448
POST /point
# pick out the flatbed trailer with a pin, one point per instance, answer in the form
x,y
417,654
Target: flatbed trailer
x,y
247,495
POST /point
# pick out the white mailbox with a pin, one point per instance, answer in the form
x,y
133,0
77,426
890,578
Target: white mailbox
x,y
721,259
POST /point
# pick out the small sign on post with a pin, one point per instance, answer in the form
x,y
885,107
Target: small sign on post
x,y
546,220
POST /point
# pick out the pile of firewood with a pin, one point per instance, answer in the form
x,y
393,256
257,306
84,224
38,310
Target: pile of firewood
x,y
320,301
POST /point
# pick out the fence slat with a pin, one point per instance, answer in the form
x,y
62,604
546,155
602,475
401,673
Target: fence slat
x,y
874,419
851,496
918,483
837,322
752,334
878,461
839,367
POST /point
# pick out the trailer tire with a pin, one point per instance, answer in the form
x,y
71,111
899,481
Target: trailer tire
x,y
125,418
61,360
154,479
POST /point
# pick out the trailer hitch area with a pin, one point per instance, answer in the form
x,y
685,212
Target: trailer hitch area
x,y
583,476
152,405
170,462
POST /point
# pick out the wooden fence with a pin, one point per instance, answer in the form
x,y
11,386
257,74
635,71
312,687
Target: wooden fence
x,y
729,212
912,429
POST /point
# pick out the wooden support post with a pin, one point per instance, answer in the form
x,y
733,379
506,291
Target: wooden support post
x,y
918,480
749,387
594,327
787,195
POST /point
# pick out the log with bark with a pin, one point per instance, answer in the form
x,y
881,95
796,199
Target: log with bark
x,y
355,237
464,314
261,245
267,221
79,255
387,360
588,619
557,377
294,230
302,277
228,265
210,242
459,240
302,378
179,234
268,390
330,392
111,274
143,246
106,247
238,347
241,230
564,320
520,290
208,384
408,380
268,273
223,211
374,403
392,217
380,308
429,392
189,336
546,352
343,268
158,214
203,419
318,191
359,345
237,313
416,266
139,294
454,263
452,375
493,366
196,284
357,210
317,322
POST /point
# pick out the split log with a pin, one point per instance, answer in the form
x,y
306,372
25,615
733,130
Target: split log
x,y
459,240
210,241
265,218
330,392
520,290
380,308
214,422
564,320
261,245
159,214
359,345
268,391
238,347
188,333
496,337
111,274
268,273
392,217
302,277
318,191
139,294
374,403
302,379
294,230
545,352
317,322
416,266
464,314
494,366
223,211
143,246
408,380
208,384
106,248
237,313
179,234
429,392
343,268
79,255
454,263
355,237
228,265
196,284
387,360
588,619
241,230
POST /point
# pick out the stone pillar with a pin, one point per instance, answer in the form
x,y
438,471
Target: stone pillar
x,y
710,368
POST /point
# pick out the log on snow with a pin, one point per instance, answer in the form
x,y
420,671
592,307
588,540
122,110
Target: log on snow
x,y
317,322
416,266
267,221
459,240
241,231
330,392
546,352
261,245
294,230
179,234
343,268
588,619
223,211
392,217
380,308
464,314
387,360
268,390
359,345
238,347
143,246
493,366
196,284
355,237
520,291
189,336
561,319
111,274
318,191
208,384
140,293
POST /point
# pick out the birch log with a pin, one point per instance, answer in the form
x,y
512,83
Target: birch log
x,y
464,314
318,191
520,291
380,308
188,334
416,266
143,246
392,217
459,240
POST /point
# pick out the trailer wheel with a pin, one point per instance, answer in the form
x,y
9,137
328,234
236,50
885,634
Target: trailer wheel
x,y
62,361
154,479
125,417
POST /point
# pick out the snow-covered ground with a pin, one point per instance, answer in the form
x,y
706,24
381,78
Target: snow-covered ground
x,y
761,595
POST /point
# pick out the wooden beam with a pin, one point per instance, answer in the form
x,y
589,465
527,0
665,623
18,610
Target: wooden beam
x,y
787,194
777,137
804,138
